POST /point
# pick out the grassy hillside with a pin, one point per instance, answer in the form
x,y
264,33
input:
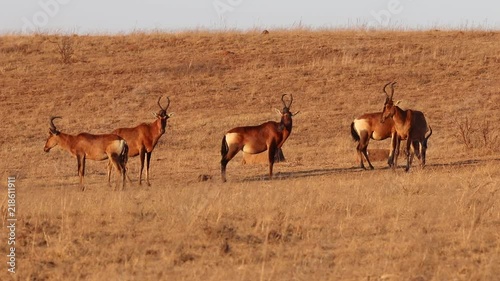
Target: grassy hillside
x,y
321,218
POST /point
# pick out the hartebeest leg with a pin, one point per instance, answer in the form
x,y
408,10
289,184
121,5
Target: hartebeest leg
x,y
362,149
416,149
422,154
395,140
81,170
227,155
123,166
142,155
223,163
123,173
408,154
118,164
148,159
109,172
397,147
271,152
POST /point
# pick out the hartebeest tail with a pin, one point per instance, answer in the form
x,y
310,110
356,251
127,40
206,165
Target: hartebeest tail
x,y
268,136
410,125
94,147
224,147
143,138
354,133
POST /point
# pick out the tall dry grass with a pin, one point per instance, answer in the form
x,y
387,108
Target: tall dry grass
x,y
321,219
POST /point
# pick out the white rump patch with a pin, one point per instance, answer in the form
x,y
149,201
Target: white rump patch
x,y
361,125
232,138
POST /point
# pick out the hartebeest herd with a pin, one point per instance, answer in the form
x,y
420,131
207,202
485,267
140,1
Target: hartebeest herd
x,y
122,143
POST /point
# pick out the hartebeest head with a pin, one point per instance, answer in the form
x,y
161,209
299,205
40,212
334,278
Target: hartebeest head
x,y
162,114
53,133
389,106
286,114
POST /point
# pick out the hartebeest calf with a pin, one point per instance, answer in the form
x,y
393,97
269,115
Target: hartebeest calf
x,y
256,139
94,147
143,138
410,125
369,126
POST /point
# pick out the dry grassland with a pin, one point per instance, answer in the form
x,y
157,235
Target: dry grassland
x,y
322,218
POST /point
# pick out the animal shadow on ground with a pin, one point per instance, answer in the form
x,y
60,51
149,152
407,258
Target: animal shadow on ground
x,y
332,171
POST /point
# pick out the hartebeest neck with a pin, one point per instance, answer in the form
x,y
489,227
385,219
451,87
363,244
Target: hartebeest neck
x,y
399,117
66,142
158,128
285,124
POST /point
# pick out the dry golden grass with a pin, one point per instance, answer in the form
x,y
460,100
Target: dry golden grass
x,y
321,218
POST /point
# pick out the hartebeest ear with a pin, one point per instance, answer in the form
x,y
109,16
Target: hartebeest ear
x,y
170,114
293,114
278,111
398,102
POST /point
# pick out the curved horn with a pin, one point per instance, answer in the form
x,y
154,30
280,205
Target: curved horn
x,y
159,103
392,89
291,100
168,103
385,86
282,100
51,121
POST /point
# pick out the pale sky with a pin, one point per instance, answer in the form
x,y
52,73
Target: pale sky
x,y
112,16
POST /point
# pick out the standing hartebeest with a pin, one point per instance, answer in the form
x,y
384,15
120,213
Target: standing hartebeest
x,y
368,126
143,138
94,147
256,139
410,125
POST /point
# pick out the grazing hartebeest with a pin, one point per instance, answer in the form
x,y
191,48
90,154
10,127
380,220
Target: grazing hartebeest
x,y
94,147
410,125
143,138
255,139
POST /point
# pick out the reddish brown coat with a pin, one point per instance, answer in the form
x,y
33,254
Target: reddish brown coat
x,y
143,138
94,147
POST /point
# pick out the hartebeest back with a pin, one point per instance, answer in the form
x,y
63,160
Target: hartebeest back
x,y
256,139
94,147
143,138
410,125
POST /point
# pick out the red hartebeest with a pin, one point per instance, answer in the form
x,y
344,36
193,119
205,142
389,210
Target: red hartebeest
x,y
143,138
368,126
410,125
256,139
94,147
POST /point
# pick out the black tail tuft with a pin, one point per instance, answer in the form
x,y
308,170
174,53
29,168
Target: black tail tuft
x,y
427,137
354,134
124,154
224,149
